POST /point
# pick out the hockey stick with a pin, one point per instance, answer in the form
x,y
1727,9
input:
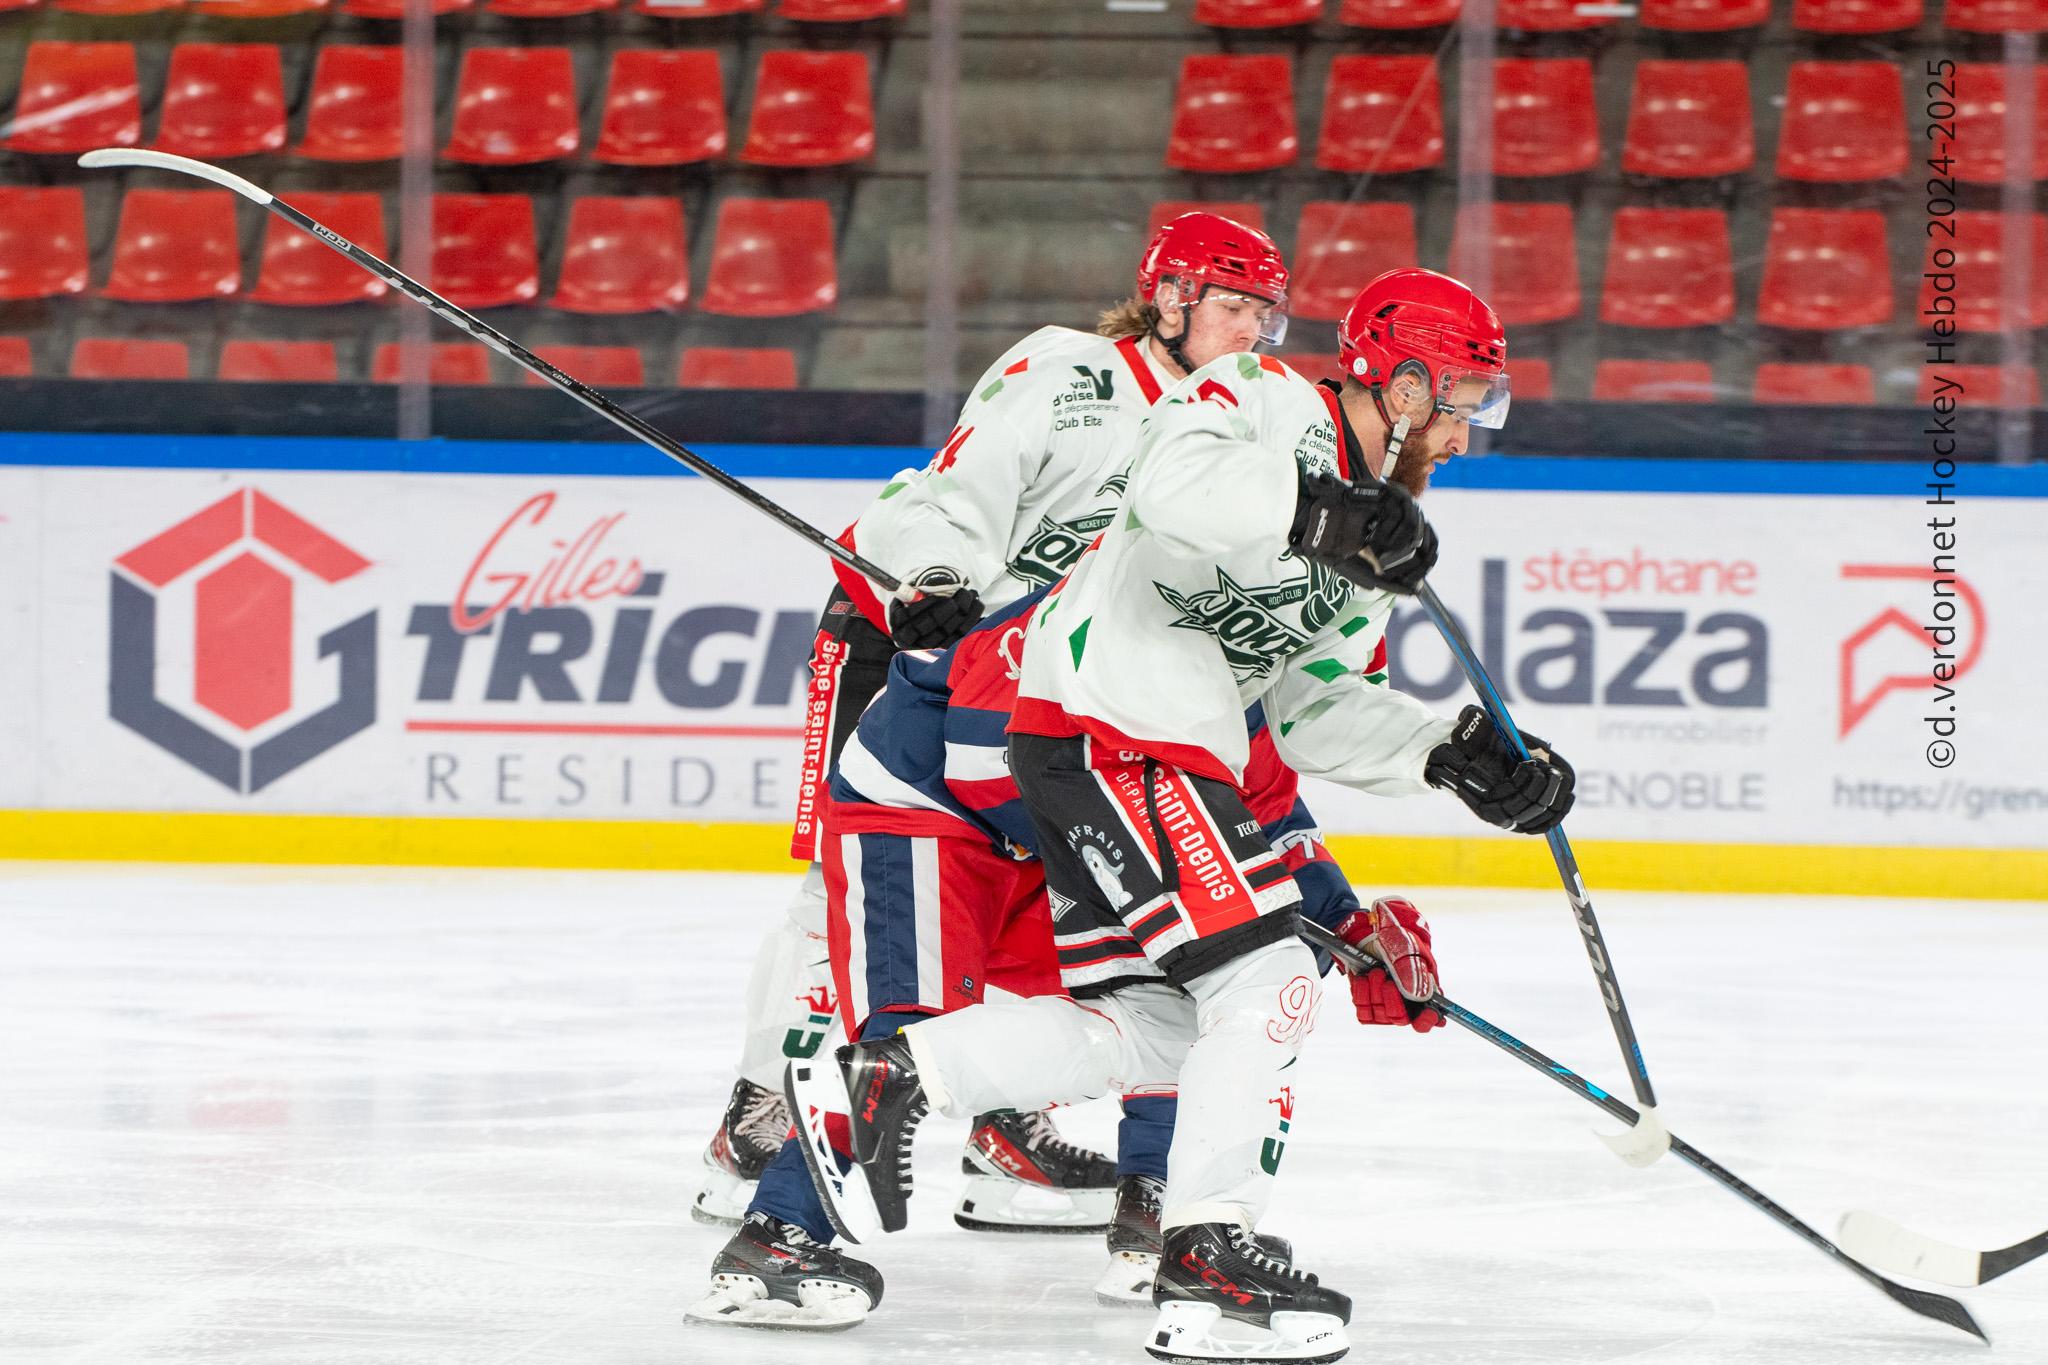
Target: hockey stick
x,y
1902,1251
1649,1138
1936,1306
505,346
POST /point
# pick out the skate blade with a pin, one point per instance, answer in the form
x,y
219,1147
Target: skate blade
x,y
723,1200
815,1089
1127,1281
742,1301
993,1203
1199,1334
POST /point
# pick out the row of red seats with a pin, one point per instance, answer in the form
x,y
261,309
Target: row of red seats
x,y
1692,381
800,11
450,362
662,107
769,257
1681,16
1843,121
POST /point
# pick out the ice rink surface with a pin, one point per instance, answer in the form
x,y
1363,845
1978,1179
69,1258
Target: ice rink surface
x,y
311,1117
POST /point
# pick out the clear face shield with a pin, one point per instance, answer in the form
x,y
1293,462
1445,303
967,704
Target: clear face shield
x,y
1228,304
1470,396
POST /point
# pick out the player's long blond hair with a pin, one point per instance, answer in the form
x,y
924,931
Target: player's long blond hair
x,y
1131,318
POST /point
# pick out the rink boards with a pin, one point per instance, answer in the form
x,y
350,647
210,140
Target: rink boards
x,y
301,651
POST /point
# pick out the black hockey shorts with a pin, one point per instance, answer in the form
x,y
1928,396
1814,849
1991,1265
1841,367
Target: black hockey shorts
x,y
849,665
1152,871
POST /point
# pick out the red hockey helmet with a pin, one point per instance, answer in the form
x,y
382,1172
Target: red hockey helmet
x,y
1207,250
1414,317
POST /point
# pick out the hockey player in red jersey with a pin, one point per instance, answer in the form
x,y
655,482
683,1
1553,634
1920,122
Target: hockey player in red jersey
x,y
1029,476
1255,560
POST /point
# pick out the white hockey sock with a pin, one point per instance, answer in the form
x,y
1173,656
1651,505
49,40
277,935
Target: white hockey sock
x,y
1014,1054
1236,1106
789,993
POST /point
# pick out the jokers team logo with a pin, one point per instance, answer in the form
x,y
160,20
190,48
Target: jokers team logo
x,y
237,571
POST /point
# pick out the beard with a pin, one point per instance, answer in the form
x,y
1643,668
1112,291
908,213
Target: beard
x,y
1413,468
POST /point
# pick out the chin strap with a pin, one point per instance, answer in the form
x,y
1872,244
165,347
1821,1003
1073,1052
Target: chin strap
x,y
1171,345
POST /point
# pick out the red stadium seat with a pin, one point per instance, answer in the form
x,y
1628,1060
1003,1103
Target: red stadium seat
x,y
1529,379
452,362
1855,16
256,9
662,108
395,9
300,270
841,11
1825,269
1381,115
772,258
698,9
601,367
513,106
1689,119
1977,275
279,362
1983,385
1166,210
1979,147
1546,16
811,109
1996,16
624,256
111,358
1398,14
1704,16
485,255
75,97
1340,248
1668,268
711,367
1544,122
116,8
223,100
16,361
1833,385
42,242
1233,114
175,246
1535,265
1257,13
9,5
1843,121
1652,381
1313,366
355,110
548,9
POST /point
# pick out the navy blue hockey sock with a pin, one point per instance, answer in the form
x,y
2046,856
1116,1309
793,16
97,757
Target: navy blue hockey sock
x,y
1145,1134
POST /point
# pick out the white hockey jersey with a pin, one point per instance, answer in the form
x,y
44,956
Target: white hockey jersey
x,y
1192,607
1032,473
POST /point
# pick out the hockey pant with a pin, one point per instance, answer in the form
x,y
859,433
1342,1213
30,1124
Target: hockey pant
x,y
791,1002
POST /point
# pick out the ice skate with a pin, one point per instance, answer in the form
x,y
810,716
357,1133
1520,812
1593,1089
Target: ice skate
x,y
875,1086
1024,1177
1134,1244
751,1133
773,1274
1223,1297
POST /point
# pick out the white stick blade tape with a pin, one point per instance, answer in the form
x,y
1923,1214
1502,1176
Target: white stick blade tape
x,y
107,157
1879,1242
1642,1144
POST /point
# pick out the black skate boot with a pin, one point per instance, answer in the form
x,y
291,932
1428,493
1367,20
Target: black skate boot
x,y
773,1274
1134,1243
755,1124
1223,1297
878,1081
1024,1177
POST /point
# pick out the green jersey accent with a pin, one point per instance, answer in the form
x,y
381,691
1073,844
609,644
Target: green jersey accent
x,y
1325,670
1077,641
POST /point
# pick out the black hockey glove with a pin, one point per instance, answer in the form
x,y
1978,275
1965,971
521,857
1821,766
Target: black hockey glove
x,y
1371,533
1526,795
943,612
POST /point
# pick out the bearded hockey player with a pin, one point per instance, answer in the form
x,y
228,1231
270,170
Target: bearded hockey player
x,y
1255,559
1028,477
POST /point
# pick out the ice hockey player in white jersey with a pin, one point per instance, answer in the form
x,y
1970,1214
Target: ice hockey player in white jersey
x,y
1255,558
1028,477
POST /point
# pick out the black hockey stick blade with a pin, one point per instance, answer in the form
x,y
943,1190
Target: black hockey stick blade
x,y
1940,1307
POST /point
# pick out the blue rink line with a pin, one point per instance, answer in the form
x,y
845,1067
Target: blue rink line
x,y
1587,474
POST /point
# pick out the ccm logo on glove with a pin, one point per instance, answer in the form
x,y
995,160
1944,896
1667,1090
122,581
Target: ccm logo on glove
x,y
1477,765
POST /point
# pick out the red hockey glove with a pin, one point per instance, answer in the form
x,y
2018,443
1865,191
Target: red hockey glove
x,y
1398,987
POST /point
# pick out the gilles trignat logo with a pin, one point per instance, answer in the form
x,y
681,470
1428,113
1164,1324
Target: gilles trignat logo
x,y
253,571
